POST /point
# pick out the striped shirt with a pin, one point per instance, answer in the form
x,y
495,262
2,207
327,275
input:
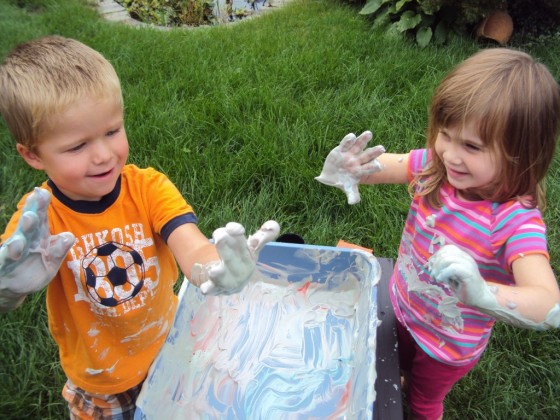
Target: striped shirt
x,y
494,234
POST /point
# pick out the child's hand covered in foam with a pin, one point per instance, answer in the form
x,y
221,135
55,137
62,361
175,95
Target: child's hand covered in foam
x,y
238,257
454,267
30,258
348,162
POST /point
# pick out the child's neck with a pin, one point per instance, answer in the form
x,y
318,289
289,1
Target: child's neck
x,y
465,195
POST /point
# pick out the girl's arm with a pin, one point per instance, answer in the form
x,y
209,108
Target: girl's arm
x,y
533,302
536,295
393,170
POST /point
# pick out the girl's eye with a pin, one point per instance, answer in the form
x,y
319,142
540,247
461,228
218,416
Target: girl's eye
x,y
473,147
444,135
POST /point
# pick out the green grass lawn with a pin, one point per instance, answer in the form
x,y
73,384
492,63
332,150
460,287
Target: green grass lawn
x,y
241,117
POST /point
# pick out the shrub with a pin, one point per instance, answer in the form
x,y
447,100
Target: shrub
x,y
430,20
433,20
170,12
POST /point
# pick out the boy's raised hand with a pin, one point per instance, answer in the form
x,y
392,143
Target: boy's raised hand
x,y
238,258
348,162
30,258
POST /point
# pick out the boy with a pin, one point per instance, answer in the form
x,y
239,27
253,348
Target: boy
x,y
118,231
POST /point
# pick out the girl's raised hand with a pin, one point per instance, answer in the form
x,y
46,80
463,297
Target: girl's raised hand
x,y
348,162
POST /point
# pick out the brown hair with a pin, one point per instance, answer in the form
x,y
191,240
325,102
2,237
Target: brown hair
x,y
43,77
515,102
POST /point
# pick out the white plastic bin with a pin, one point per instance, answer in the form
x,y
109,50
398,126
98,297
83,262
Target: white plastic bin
x,y
298,342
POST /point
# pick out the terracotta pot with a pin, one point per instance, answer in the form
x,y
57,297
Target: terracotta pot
x,y
497,26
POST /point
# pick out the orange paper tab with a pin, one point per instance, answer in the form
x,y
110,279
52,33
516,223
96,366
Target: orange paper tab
x,y
344,244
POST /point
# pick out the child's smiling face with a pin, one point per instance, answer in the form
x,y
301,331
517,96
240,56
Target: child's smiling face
x,y
471,164
84,150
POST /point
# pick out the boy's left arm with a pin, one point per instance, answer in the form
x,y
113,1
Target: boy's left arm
x,y
222,267
533,302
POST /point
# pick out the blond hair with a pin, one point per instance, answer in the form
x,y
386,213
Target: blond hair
x,y
44,77
515,102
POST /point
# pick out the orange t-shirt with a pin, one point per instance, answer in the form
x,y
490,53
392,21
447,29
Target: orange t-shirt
x,y
111,304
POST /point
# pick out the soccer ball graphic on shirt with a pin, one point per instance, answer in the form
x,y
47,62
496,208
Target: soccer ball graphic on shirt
x,y
114,273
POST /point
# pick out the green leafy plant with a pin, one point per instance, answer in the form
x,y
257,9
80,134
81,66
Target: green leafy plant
x,y
171,12
430,20
240,13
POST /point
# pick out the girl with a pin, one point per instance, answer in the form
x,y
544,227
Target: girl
x,y
474,247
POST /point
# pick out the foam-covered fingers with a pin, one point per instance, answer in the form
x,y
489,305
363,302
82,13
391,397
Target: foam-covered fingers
x,y
34,224
362,140
352,194
372,153
60,245
268,232
207,287
28,222
12,250
347,142
198,275
237,258
230,242
26,236
43,198
37,202
450,255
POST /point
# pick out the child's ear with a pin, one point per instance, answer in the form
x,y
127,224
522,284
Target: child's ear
x,y
30,157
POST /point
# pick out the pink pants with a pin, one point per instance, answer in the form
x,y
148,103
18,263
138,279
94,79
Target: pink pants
x,y
429,380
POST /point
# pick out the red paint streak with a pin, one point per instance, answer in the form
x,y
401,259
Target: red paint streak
x,y
346,395
303,289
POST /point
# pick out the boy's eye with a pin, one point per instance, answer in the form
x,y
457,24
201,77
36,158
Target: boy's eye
x,y
76,148
112,132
